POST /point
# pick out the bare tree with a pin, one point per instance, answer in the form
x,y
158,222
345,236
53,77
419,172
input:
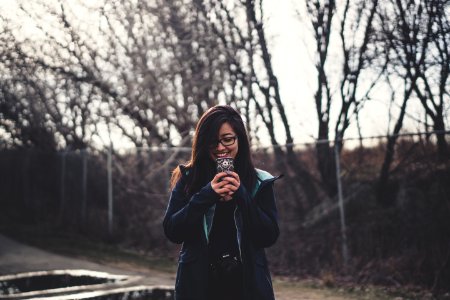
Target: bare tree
x,y
22,112
409,31
354,27
147,69
432,86
252,84
238,26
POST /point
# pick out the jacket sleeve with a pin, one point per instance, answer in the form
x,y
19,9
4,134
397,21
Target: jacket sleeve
x,y
183,214
260,215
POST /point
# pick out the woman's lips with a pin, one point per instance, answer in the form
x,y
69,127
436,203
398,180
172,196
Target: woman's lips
x,y
226,154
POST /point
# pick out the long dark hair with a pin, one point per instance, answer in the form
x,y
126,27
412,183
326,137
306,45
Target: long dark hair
x,y
201,167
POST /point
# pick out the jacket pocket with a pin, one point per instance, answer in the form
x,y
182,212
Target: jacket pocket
x,y
190,278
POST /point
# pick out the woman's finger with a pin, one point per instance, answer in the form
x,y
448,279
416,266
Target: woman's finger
x,y
233,181
219,186
231,187
219,176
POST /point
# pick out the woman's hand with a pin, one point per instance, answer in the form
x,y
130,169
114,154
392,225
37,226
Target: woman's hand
x,y
226,184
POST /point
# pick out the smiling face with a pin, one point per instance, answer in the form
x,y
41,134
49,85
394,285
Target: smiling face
x,y
228,147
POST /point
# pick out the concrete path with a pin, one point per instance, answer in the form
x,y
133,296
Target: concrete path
x,y
17,258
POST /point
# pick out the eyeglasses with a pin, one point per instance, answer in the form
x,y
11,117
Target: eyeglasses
x,y
226,141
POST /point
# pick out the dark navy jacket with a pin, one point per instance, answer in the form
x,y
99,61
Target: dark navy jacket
x,y
189,221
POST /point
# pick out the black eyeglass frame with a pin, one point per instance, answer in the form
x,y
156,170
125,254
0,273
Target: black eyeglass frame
x,y
214,144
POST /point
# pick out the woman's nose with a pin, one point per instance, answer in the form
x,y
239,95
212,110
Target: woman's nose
x,y
220,147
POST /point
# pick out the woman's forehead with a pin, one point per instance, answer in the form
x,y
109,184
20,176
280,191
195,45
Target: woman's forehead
x,y
226,129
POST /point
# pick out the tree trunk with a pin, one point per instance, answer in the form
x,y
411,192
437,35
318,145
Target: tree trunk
x,y
325,160
442,144
383,192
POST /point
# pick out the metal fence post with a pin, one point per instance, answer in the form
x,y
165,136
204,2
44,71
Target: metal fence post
x,y
341,206
110,191
26,170
166,169
62,195
83,186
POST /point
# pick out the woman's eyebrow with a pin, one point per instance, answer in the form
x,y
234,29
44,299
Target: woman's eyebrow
x,y
225,134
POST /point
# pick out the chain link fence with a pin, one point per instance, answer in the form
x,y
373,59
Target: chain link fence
x,y
122,196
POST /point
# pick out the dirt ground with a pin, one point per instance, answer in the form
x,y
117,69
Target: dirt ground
x,y
16,257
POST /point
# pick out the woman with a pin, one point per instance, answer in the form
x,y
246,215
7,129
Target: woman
x,y
224,220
